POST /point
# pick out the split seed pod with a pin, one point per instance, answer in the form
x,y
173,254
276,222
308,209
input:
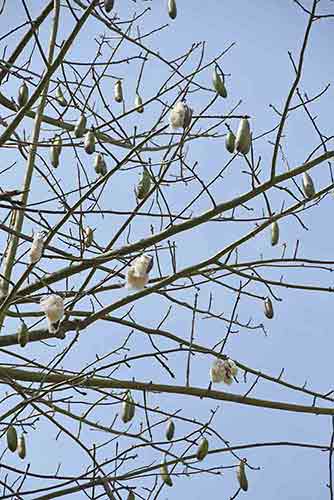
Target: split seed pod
x,y
144,184
88,236
60,97
243,138
80,126
23,95
187,117
89,142
165,474
139,104
108,5
172,10
11,436
170,430
230,142
308,185
241,475
128,408
274,233
218,84
118,91
21,447
202,449
268,308
100,165
23,335
131,495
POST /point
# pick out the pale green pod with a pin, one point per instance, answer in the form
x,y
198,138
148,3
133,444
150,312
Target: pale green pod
x,y
230,141
80,126
11,436
172,10
165,474
128,408
308,185
89,142
23,95
23,335
268,308
218,84
88,236
108,5
144,184
139,104
241,475
21,447
243,138
202,449
170,430
54,157
60,97
274,233
118,91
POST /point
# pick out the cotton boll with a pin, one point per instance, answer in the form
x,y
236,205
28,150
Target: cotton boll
x,y
217,371
176,117
142,265
223,371
36,250
133,281
53,307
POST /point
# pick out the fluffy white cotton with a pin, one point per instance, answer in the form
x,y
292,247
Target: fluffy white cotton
x,y
177,115
137,275
53,307
223,371
36,250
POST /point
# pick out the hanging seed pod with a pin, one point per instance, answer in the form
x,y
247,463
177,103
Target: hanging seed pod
x,y
118,91
165,474
108,5
144,184
128,408
89,142
131,495
55,151
268,308
202,449
100,165
218,84
80,126
58,144
170,430
241,475
139,104
230,142
274,233
172,10
23,335
23,95
21,447
187,116
88,236
60,97
308,185
11,436
243,138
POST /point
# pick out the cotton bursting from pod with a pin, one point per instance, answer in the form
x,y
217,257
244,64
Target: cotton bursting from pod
x,y
80,126
241,475
172,10
36,249
118,91
268,308
218,84
89,142
23,95
108,5
138,273
230,142
274,233
60,97
223,371
139,104
308,185
128,408
243,138
165,474
23,335
21,447
170,430
11,436
100,166
144,184
202,449
53,307
180,116
88,236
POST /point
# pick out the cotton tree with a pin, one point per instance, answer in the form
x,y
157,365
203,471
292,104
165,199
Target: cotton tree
x,y
154,237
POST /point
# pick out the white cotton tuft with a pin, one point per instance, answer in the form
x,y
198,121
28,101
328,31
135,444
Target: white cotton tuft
x,y
36,250
53,307
138,272
177,115
223,371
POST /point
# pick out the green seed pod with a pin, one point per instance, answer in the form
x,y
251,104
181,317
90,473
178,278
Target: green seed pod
x,y
131,495
100,165
241,475
218,84
230,142
58,144
118,91
274,233
108,5
170,430
55,151
80,126
172,10
88,236
89,142
165,474
139,104
128,408
23,95
268,308
202,449
23,335
144,184
11,435
243,138
308,185
21,447
60,97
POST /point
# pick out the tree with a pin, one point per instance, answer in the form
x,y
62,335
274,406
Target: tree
x,y
123,149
